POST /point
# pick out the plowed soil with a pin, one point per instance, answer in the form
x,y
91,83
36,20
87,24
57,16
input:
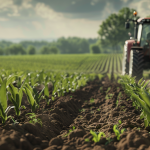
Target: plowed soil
x,y
86,109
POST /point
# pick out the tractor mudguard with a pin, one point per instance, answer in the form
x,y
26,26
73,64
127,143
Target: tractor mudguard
x,y
129,44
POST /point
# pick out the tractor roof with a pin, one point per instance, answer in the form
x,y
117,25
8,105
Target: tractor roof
x,y
140,19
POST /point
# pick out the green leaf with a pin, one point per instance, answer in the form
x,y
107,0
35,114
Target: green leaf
x,y
101,134
15,104
140,81
146,122
10,79
3,100
46,92
30,99
13,91
119,121
146,84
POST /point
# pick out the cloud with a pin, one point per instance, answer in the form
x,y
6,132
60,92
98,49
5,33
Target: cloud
x,y
45,12
56,24
142,7
37,25
55,18
3,19
11,32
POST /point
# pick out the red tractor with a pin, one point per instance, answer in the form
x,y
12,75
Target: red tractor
x,y
136,54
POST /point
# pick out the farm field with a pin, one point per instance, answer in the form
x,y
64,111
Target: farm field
x,y
91,107
98,63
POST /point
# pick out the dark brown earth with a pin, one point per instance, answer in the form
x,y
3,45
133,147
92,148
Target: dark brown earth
x,y
99,115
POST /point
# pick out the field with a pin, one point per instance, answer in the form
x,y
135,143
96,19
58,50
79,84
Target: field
x,y
97,63
78,102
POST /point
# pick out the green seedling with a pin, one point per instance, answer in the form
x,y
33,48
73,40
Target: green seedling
x,y
70,96
117,131
117,88
15,121
33,119
92,100
96,138
87,140
82,110
106,97
109,96
69,131
108,90
98,109
117,103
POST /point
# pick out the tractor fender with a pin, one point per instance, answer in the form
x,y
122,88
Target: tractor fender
x,y
128,45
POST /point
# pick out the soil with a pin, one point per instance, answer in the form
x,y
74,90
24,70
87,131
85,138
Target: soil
x,y
99,114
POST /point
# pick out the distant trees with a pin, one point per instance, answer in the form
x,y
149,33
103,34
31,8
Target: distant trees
x,y
1,51
71,45
49,50
15,49
94,48
31,50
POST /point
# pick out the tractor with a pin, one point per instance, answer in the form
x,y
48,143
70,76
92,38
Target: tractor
x,y
136,53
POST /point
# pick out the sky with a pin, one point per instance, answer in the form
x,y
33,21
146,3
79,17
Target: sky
x,y
51,19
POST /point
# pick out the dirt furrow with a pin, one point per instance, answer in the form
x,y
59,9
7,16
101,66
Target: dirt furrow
x,y
92,107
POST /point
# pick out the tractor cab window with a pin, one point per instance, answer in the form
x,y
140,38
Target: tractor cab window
x,y
145,36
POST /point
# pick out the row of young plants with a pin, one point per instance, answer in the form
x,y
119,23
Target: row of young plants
x,y
14,84
139,93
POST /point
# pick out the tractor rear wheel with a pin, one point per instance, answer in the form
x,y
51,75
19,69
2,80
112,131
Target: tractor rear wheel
x,y
136,64
125,64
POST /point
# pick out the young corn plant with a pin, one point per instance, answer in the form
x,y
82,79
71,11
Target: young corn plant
x,y
140,95
117,131
108,90
29,92
69,131
97,138
4,82
33,119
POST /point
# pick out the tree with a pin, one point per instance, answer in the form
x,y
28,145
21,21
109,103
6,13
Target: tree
x,y
94,49
49,50
54,50
1,51
112,31
31,50
15,49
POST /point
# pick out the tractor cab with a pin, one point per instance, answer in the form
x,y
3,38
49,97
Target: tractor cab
x,y
136,54
143,36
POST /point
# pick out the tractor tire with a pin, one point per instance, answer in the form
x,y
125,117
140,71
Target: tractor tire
x,y
125,64
136,64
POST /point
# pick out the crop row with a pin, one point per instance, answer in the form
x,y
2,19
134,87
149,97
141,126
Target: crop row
x,y
14,84
98,63
139,93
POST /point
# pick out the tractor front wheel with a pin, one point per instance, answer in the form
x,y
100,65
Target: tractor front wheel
x,y
136,64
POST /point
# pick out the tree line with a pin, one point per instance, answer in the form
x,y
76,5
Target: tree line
x,y
71,45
